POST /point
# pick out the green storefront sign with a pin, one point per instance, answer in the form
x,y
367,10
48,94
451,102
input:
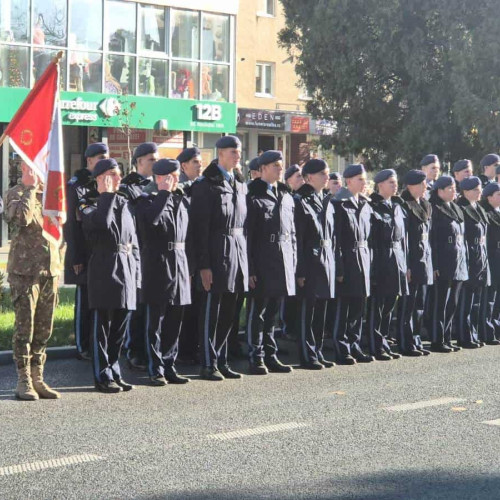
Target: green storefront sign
x,y
103,110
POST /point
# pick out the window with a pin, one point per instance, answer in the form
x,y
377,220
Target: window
x,y
85,25
152,77
14,64
267,8
264,79
121,26
215,38
14,21
184,80
185,27
85,71
49,22
152,28
215,82
119,74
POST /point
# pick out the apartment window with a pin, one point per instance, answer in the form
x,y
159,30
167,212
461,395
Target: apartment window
x,y
264,79
267,8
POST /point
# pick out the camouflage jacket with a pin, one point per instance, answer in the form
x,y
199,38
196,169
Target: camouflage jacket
x,y
30,253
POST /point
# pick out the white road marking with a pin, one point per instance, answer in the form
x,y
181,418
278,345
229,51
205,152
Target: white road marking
x,y
10,470
223,436
423,404
492,422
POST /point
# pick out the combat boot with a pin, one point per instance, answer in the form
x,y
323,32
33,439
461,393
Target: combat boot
x,y
43,390
24,389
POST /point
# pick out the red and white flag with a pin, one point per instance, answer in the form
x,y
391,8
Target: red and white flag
x,y
35,133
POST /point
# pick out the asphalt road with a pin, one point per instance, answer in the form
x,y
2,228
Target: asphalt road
x,y
406,429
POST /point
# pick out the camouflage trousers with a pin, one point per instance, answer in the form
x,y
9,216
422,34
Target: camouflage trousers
x,y
34,300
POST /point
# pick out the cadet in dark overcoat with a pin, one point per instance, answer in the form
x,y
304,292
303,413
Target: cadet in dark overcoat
x,y
489,164
162,219
476,224
420,274
77,252
462,169
113,273
489,321
272,256
389,280
353,217
449,262
314,223
218,214
133,186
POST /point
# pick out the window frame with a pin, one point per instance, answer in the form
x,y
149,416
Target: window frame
x,y
271,67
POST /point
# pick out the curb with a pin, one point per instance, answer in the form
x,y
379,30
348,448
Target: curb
x,y
52,353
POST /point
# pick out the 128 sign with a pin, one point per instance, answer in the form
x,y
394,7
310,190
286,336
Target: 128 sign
x,y
208,112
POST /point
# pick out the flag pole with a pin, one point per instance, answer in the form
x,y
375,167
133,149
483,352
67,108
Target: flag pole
x,y
56,60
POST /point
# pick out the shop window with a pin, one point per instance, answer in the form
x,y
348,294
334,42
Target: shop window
x,y
215,82
185,27
215,38
85,71
121,20
85,25
14,20
152,77
119,74
42,58
184,80
264,76
14,63
49,22
152,28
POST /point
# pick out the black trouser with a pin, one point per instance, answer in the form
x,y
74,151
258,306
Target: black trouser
x,y
290,316
348,325
496,312
467,321
488,323
216,319
443,304
163,327
189,338
82,319
410,317
260,327
380,309
331,313
136,332
312,329
109,328
233,342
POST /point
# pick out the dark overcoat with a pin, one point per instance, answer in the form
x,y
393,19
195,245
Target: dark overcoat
x,y
493,241
272,245
218,215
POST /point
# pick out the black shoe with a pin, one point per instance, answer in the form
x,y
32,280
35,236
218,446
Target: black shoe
x,y
363,358
425,352
441,348
276,366
326,363
125,387
136,363
312,365
211,373
470,345
346,360
173,377
413,354
492,342
454,348
84,356
383,356
258,368
108,387
228,373
480,343
394,355
158,380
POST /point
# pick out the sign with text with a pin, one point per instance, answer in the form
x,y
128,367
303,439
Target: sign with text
x,y
299,124
260,118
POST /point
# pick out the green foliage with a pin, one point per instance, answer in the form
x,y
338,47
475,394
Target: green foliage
x,y
400,78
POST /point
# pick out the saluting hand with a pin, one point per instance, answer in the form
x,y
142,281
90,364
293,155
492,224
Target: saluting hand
x,y
206,279
166,183
105,184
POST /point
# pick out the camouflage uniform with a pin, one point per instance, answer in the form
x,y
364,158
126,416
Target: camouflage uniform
x,y
33,269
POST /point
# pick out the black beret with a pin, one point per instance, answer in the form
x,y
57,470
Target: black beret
x,y
414,177
228,141
188,154
428,159
334,176
103,166
97,148
314,166
269,157
165,166
470,183
291,170
353,170
443,182
254,164
490,189
383,175
461,165
490,159
144,149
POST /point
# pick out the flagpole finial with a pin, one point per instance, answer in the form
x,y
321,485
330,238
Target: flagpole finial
x,y
58,56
